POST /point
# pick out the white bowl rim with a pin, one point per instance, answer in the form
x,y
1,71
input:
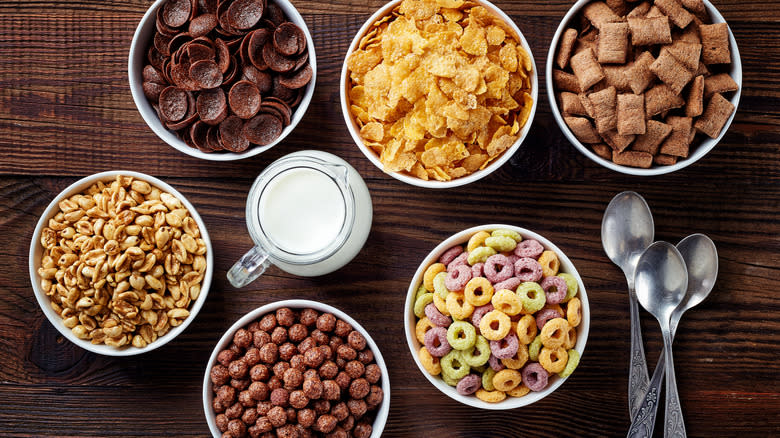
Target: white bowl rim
x,y
45,303
153,121
461,237
479,174
701,150
384,410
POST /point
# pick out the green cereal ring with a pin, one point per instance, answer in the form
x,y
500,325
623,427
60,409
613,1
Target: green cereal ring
x,y
481,346
501,243
571,364
420,290
571,286
487,379
438,285
532,296
420,303
480,254
449,380
534,347
508,233
453,365
461,335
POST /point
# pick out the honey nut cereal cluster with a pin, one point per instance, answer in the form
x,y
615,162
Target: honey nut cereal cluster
x,y
439,89
498,318
122,262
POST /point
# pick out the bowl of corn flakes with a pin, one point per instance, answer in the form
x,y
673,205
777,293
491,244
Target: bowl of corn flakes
x,y
439,93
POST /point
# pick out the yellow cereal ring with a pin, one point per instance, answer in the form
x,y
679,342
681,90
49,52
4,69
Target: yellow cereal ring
x,y
420,303
440,304
533,349
554,333
490,396
507,380
501,243
508,233
477,240
449,380
518,360
430,363
487,379
478,291
519,391
571,285
553,359
574,312
438,284
571,338
532,297
458,307
550,263
571,364
430,273
495,325
480,254
422,327
526,329
507,301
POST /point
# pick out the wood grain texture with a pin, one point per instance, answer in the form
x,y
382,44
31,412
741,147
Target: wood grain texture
x,y
66,112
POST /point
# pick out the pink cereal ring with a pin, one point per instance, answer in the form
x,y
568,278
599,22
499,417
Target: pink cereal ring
x,y
545,315
469,384
436,342
535,376
477,270
458,277
496,364
505,348
450,255
528,269
512,259
554,289
497,268
478,313
529,248
437,318
510,283
461,259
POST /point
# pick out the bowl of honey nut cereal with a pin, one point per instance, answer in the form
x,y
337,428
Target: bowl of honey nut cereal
x,y
646,88
120,263
296,368
439,93
496,317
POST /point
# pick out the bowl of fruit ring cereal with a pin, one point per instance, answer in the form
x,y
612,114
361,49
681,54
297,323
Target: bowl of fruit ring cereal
x,y
496,317
445,117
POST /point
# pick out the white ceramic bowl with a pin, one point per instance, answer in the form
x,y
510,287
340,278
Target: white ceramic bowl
x,y
36,251
137,59
701,149
374,158
410,320
227,338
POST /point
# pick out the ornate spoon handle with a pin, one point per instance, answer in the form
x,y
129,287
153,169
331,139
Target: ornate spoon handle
x,y
675,427
638,380
643,423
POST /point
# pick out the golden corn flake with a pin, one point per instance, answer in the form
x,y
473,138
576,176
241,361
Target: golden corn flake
x,y
439,88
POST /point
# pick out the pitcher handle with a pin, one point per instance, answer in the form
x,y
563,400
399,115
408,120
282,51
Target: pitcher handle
x,y
248,267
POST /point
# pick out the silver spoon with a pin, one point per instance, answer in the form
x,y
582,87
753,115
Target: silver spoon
x,y
661,282
701,259
626,231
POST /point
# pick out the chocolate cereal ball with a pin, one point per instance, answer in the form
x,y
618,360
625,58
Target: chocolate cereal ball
x,y
222,422
298,399
366,356
280,368
354,369
373,373
326,322
359,388
277,416
340,411
312,388
297,362
285,317
357,408
348,423
292,378
306,417
346,352
313,357
240,384
338,432
274,382
329,370
326,423
362,430
260,338
279,335
297,332
243,338
321,407
249,416
263,424
219,375
237,427
287,351
226,394
234,411
252,356
226,356
259,391
269,353
306,344
263,407
311,373
280,397
375,396
330,390
343,380
268,322
356,340
320,337
245,398
309,317
287,431
259,372
342,328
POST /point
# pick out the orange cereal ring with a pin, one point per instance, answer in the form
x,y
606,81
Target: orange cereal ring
x,y
478,291
550,263
507,380
457,305
553,359
571,338
518,360
440,304
519,391
490,396
507,301
495,325
422,327
557,308
555,332
526,329
574,312
430,363
430,273
477,240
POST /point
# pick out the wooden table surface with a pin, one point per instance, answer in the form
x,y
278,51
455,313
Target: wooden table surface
x,y
66,112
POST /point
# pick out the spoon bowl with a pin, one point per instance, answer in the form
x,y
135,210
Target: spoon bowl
x,y
701,258
661,280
